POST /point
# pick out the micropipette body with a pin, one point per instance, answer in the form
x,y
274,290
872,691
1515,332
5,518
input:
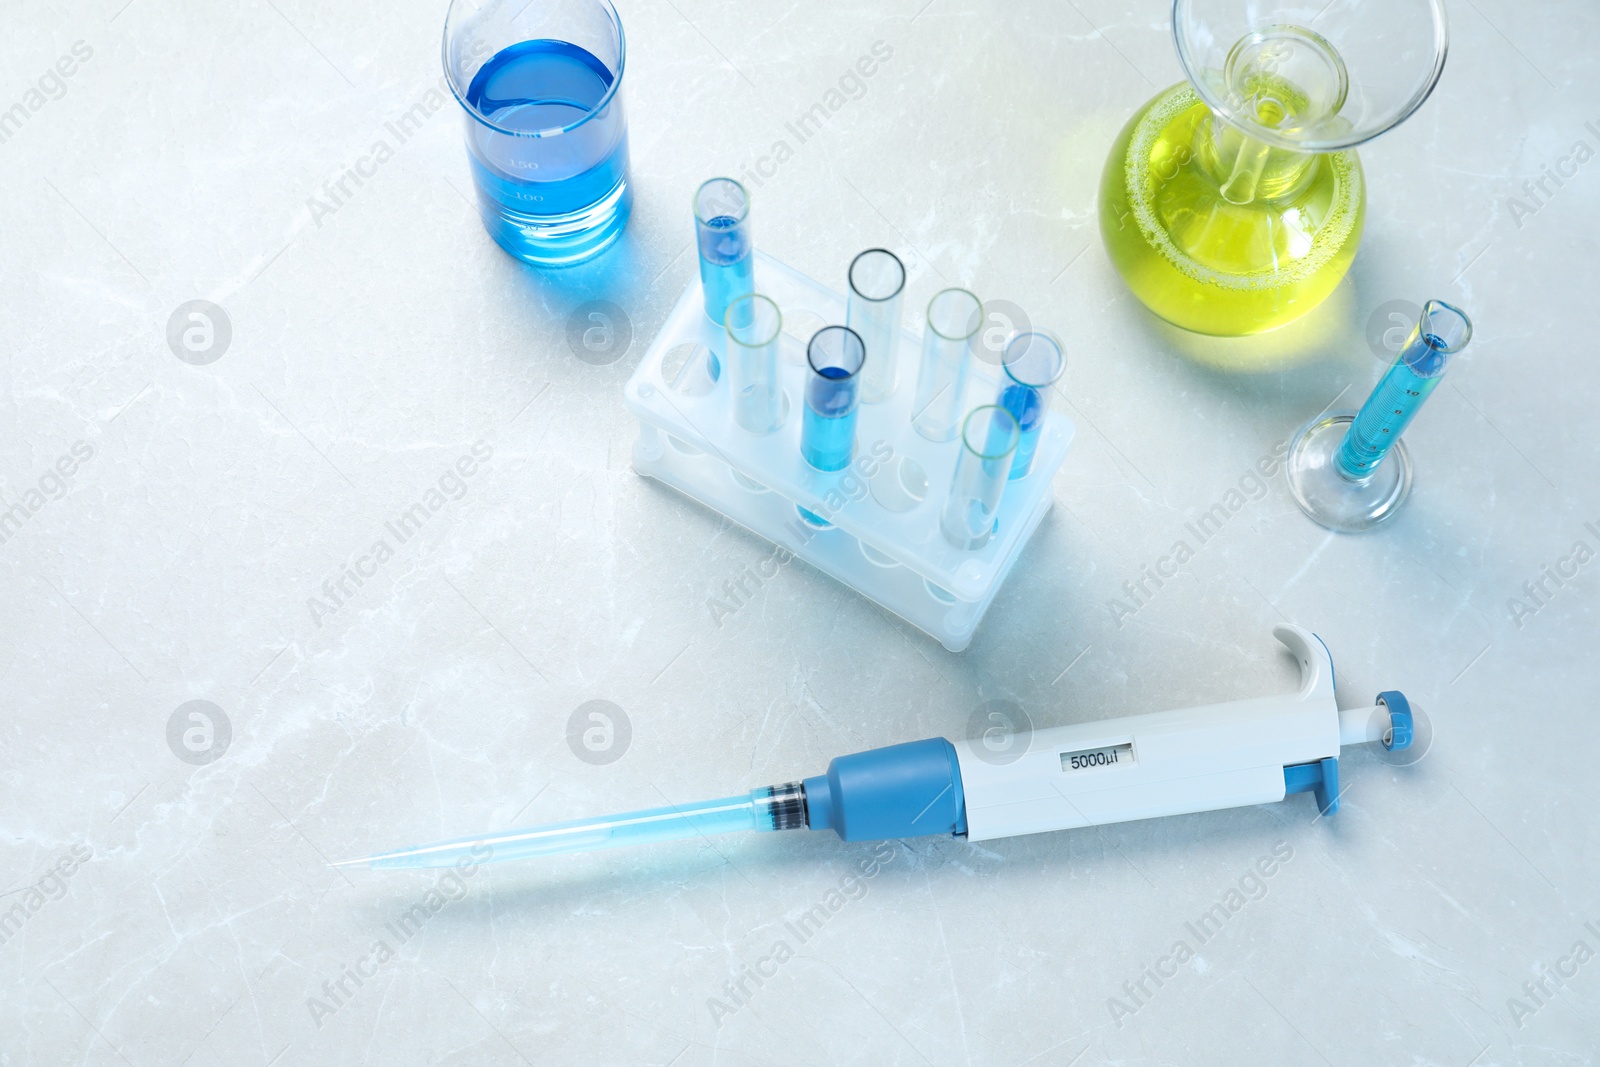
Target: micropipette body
x,y
1167,763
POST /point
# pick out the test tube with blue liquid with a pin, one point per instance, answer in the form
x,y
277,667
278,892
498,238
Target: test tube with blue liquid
x,y
834,357
1031,364
833,394
727,253
540,84
1351,472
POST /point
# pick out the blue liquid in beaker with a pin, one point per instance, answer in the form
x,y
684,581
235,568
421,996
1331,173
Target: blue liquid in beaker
x,y
554,197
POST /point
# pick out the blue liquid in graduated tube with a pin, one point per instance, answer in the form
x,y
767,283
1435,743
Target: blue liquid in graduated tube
x,y
542,85
1394,402
1028,408
727,269
828,441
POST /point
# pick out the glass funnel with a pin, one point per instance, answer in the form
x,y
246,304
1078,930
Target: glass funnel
x,y
1232,203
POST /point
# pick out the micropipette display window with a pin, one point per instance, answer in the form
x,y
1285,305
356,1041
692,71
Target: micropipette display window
x,y
1092,758
881,534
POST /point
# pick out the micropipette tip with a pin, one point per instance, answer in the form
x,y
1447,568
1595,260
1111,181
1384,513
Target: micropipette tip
x,y
758,810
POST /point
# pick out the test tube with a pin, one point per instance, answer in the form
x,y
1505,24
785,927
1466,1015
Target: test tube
x,y
828,431
1032,363
988,445
754,325
954,317
722,227
877,278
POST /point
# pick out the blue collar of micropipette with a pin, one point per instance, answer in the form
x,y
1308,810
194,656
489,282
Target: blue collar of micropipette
x,y
901,791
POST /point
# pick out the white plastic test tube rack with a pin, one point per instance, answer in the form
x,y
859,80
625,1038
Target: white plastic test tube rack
x,y
884,541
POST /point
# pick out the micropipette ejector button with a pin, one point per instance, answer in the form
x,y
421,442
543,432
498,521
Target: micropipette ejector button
x,y
1400,733
1320,779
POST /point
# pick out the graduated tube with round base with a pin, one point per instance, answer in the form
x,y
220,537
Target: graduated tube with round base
x,y
1352,472
1232,204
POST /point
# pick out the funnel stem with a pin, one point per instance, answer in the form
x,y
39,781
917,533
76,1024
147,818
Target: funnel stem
x,y
1240,187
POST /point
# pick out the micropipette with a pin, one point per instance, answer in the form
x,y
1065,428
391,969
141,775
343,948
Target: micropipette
x,y
1167,763
1336,465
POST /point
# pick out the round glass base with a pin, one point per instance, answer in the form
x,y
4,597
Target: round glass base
x,y
558,240
1330,498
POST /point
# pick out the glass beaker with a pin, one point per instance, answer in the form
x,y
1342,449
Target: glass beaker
x,y
1231,203
540,83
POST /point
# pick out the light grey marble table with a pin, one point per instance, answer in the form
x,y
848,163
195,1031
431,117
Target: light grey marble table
x,y
187,527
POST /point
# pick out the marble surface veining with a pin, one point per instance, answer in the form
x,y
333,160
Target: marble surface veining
x,y
201,536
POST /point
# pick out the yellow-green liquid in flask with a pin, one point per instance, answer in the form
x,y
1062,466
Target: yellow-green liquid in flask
x,y
1217,232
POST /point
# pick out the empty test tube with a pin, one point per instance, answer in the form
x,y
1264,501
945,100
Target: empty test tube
x,y
877,280
754,325
988,445
722,229
954,317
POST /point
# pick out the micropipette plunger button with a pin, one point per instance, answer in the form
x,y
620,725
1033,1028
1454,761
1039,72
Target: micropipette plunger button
x,y
1400,731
